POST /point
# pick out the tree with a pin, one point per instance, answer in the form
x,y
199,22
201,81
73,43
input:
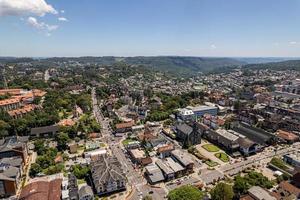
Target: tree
x,y
62,140
186,192
39,147
35,169
4,127
240,185
222,191
80,171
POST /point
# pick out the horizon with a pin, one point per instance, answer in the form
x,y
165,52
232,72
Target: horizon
x,y
53,28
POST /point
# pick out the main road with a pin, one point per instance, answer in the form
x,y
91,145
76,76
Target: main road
x,y
135,179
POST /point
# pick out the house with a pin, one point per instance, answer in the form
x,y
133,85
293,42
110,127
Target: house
x,y
8,186
153,174
107,175
86,193
187,135
165,150
285,189
287,137
10,104
42,189
137,155
124,127
183,159
293,159
73,187
259,193
73,148
44,131
14,146
167,171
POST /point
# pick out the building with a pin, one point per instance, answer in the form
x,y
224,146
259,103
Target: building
x,y
287,190
287,137
187,135
10,104
192,113
153,174
199,111
165,150
107,175
73,187
185,114
227,139
14,146
258,193
183,159
86,193
167,171
42,189
137,155
257,135
124,127
44,131
247,146
293,159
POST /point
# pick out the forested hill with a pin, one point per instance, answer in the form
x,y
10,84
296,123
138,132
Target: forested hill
x,y
285,65
172,64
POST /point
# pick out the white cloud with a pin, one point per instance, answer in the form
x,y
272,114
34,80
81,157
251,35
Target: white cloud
x,y
62,11
42,26
276,43
293,43
63,19
25,7
213,46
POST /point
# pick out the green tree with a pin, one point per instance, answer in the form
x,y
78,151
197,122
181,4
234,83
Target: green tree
x,y
240,185
35,169
222,191
4,127
186,192
39,147
62,140
80,171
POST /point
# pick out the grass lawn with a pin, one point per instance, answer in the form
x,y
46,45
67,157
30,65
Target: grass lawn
x,y
211,163
222,156
126,142
210,148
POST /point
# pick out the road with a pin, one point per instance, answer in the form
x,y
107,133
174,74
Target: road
x,y
232,169
135,179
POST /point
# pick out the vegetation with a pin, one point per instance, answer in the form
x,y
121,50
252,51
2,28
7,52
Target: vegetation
x,y
222,191
279,163
186,192
211,163
242,184
210,148
222,156
45,162
80,171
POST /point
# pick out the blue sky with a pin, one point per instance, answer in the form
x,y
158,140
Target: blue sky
x,y
150,27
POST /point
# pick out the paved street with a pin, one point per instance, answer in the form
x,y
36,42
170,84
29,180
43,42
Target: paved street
x,y
135,179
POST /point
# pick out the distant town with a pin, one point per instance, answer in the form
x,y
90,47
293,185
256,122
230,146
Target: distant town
x,y
72,129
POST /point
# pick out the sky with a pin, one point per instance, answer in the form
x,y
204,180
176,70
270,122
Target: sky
x,y
217,28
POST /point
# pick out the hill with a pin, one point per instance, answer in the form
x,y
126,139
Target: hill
x,y
284,65
168,64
